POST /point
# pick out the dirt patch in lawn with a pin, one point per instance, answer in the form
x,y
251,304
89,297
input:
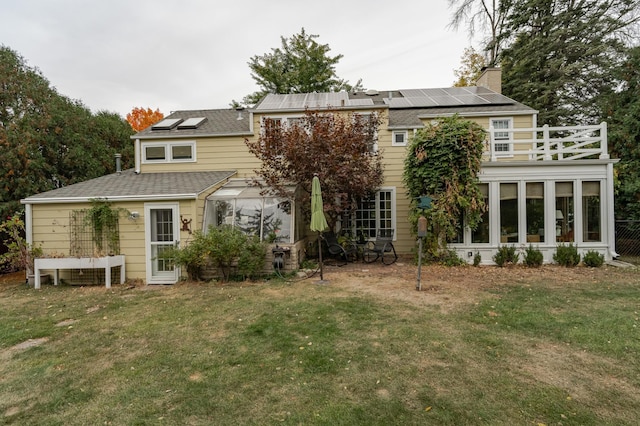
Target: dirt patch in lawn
x,y
449,287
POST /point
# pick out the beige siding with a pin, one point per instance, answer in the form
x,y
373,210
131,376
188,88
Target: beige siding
x,y
50,226
220,153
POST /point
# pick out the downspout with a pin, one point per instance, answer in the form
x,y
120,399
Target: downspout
x,y
137,155
28,228
611,219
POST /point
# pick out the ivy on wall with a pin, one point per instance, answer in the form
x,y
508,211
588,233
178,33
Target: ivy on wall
x,y
443,162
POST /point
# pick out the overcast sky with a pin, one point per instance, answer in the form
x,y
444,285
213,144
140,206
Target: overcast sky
x,y
174,55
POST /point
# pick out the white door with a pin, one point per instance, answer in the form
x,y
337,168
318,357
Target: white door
x,y
162,232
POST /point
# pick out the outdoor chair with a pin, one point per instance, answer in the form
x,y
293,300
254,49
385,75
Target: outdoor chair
x,y
382,247
342,253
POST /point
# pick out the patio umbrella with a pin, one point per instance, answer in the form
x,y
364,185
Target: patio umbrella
x,y
318,221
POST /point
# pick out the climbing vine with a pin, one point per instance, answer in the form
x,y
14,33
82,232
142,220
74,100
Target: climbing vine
x,y
443,162
103,220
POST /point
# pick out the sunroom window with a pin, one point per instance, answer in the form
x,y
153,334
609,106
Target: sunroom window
x,y
242,206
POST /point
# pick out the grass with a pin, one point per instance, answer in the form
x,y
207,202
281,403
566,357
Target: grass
x,y
526,353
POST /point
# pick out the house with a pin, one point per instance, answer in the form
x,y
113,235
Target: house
x,y
543,186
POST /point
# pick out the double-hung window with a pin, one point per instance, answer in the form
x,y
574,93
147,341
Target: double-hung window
x,y
502,140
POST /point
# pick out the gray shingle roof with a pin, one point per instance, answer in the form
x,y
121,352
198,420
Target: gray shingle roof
x,y
136,186
410,117
218,122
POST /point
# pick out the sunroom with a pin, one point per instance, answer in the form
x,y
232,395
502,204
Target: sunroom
x,y
275,220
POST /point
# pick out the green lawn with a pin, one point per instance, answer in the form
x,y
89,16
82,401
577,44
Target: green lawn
x,y
525,352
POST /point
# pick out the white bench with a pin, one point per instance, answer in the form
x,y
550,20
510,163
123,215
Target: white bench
x,y
56,264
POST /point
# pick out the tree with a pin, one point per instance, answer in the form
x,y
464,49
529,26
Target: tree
x,y
489,15
300,65
443,162
621,109
141,118
48,140
471,68
336,146
563,54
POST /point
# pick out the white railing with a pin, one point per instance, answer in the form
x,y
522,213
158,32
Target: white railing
x,y
549,143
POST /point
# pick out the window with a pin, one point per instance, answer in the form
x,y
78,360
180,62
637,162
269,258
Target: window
x,y
508,212
591,211
535,212
375,213
564,212
481,233
169,152
242,206
399,137
499,146
372,146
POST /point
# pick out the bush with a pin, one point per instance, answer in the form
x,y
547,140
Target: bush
x,y
226,248
506,255
567,255
477,259
593,259
533,257
451,258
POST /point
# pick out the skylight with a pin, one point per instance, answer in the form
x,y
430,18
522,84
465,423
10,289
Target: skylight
x,y
192,123
167,124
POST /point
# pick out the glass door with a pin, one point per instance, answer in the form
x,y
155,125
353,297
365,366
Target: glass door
x,y
162,234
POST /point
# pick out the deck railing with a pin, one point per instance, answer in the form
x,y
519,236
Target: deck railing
x,y
548,143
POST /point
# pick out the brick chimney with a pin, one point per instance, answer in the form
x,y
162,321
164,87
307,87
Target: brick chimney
x,y
491,78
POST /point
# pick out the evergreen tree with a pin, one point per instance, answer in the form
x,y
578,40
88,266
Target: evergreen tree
x,y
300,65
621,110
563,53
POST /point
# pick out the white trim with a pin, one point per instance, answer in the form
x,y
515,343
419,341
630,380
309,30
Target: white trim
x,y
71,200
508,141
168,152
175,207
405,133
475,114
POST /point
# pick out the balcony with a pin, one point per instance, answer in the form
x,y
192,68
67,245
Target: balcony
x,y
547,143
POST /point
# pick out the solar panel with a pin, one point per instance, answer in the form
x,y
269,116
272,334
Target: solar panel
x,y
167,124
192,123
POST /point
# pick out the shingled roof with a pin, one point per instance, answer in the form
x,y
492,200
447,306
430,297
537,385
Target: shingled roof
x,y
217,122
129,185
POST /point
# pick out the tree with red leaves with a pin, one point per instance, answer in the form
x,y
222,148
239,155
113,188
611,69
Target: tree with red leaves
x,y
340,148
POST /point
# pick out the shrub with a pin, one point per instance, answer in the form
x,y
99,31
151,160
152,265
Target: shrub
x,y
593,259
567,255
451,258
533,257
477,259
226,248
506,255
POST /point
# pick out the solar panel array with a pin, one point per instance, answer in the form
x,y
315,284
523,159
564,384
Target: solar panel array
x,y
310,100
450,96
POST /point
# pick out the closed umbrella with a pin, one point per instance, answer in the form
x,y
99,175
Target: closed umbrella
x,y
318,221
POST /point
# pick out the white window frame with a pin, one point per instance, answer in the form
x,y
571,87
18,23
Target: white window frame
x,y
168,152
405,135
392,195
498,141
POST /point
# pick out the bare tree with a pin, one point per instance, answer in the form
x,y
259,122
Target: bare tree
x,y
486,15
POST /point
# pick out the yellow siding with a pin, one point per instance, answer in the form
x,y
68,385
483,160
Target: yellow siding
x,y
51,230
220,153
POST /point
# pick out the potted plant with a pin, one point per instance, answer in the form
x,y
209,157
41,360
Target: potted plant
x,y
20,254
